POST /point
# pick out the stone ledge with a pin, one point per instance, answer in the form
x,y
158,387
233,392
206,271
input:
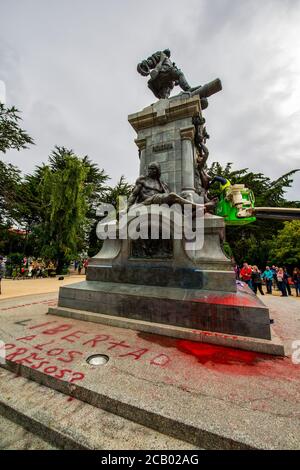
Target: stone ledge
x,y
274,346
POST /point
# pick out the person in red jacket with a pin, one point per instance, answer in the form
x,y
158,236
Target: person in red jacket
x,y
246,273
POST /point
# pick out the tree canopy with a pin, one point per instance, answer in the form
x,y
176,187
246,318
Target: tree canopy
x,y
12,136
285,249
56,205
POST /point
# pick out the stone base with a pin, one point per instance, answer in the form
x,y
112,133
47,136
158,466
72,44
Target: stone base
x,y
240,313
274,346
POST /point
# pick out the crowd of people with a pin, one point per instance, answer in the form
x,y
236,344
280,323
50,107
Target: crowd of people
x,y
273,277
31,268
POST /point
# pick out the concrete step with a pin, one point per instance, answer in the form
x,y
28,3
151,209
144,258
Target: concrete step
x,y
36,417
15,437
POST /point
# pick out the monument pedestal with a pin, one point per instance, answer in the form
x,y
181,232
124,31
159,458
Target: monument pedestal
x,y
193,290
165,285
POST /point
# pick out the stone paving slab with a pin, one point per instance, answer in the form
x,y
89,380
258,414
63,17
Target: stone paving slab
x,y
210,396
12,288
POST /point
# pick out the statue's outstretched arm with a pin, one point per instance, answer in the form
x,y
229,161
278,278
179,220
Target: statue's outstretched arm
x,y
135,193
154,73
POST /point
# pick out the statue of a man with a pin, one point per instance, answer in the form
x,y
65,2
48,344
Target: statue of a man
x,y
164,74
151,189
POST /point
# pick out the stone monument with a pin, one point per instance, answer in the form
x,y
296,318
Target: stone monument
x,y
144,284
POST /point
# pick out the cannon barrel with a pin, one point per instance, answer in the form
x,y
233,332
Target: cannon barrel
x,y
208,89
277,213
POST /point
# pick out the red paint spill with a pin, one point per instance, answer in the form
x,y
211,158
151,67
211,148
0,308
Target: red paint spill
x,y
225,360
228,299
70,399
238,362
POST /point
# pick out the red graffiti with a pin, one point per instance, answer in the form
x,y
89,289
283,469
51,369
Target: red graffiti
x,y
57,329
49,369
160,360
116,344
73,335
136,354
40,325
98,338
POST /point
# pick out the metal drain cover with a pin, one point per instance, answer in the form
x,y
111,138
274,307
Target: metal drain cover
x,y
97,360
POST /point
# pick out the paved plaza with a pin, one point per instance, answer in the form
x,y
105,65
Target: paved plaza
x,y
168,393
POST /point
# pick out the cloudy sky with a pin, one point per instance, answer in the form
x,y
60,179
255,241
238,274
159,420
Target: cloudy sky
x,y
70,66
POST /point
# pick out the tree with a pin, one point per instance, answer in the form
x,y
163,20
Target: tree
x,y
11,134
64,204
109,196
10,178
286,244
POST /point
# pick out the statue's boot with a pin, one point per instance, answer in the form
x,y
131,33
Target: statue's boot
x,y
183,82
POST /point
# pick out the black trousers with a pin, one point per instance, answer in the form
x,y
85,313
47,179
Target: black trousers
x,y
288,287
257,285
269,283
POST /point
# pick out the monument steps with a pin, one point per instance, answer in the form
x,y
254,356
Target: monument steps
x,y
15,437
274,346
43,418
240,313
162,390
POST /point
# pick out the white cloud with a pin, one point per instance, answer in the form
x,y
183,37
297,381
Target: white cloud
x,y
70,66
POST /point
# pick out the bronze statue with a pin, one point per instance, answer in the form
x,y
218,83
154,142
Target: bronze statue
x,y
151,189
164,75
202,179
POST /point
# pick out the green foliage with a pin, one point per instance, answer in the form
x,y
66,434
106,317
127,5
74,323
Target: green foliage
x,y
267,192
111,196
10,178
56,206
11,134
64,196
286,244
227,249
